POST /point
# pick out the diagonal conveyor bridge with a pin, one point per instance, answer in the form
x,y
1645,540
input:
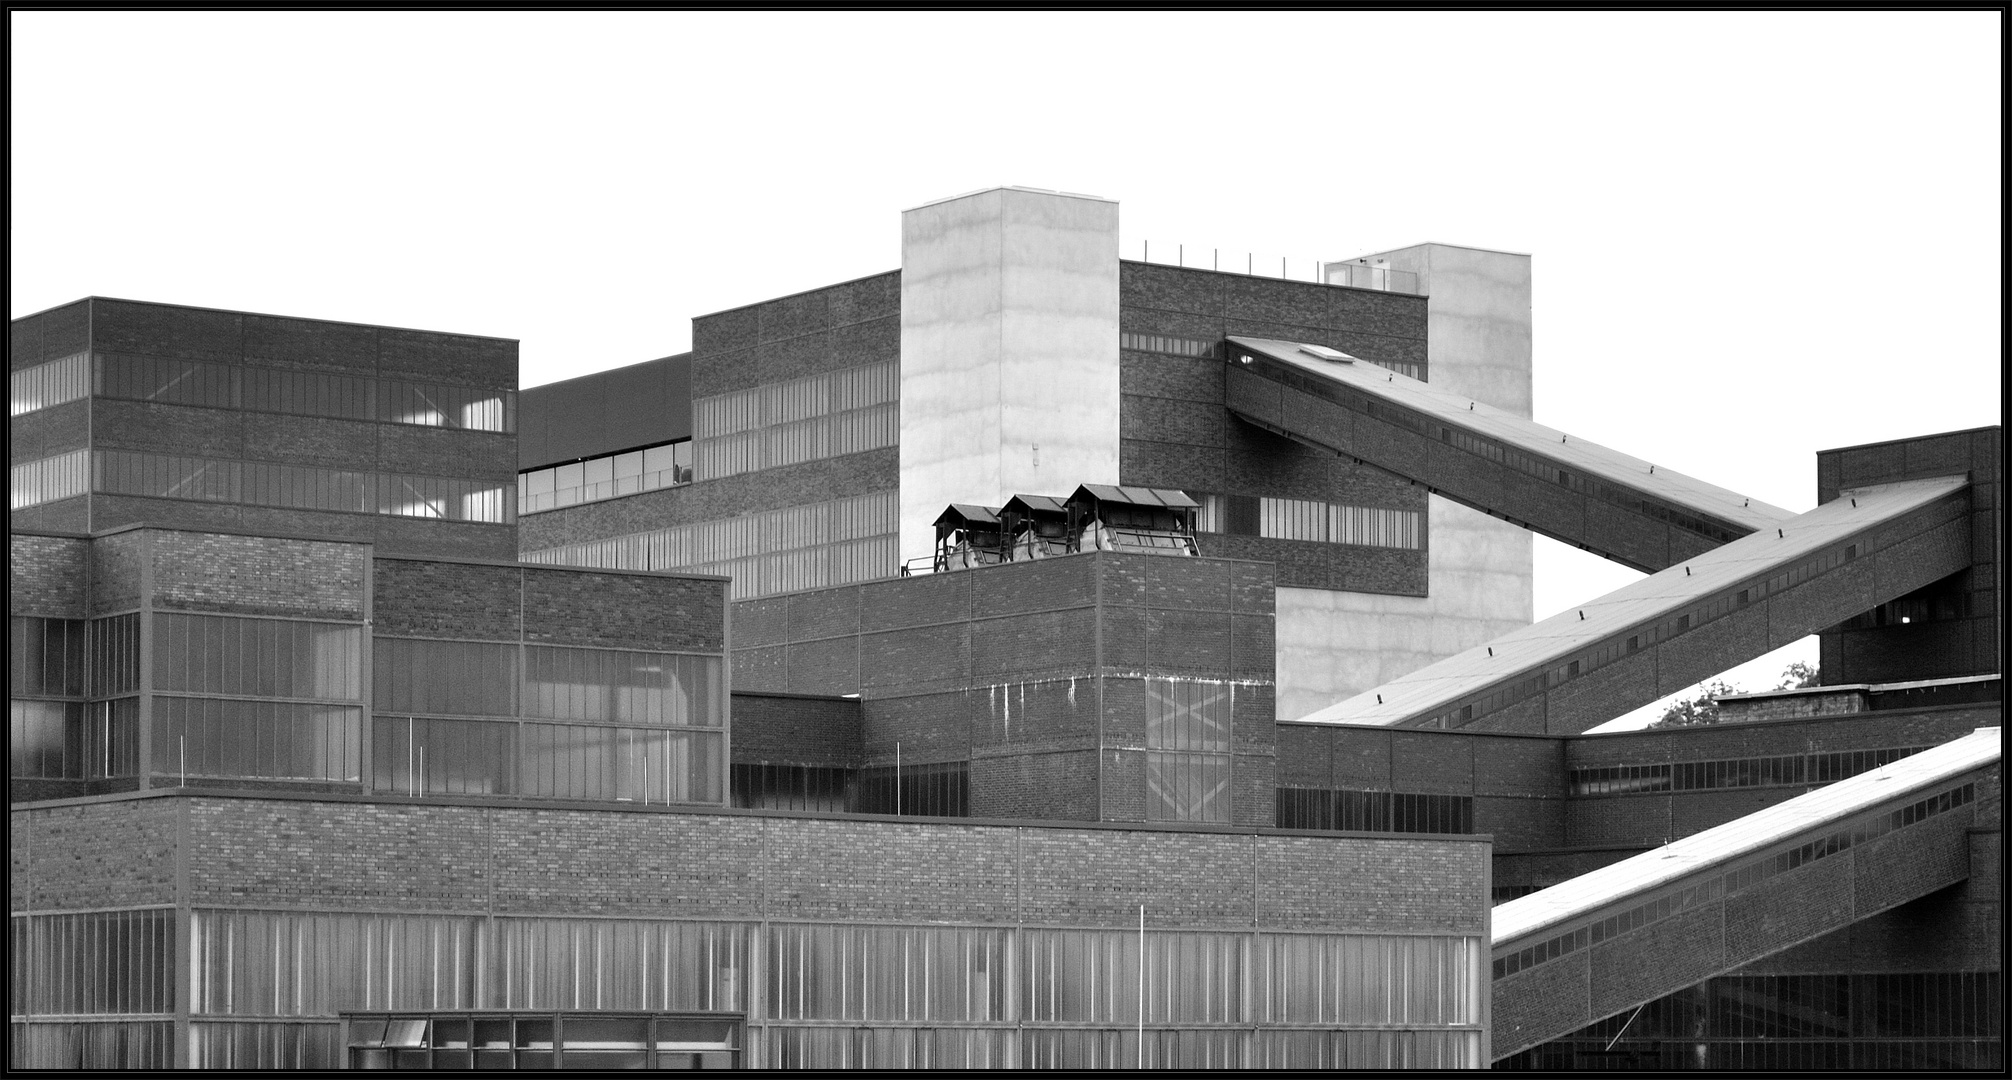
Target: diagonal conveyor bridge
x,y
1613,939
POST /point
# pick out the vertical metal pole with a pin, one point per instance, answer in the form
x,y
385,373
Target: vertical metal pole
x,y
897,779
1142,986
1180,254
185,761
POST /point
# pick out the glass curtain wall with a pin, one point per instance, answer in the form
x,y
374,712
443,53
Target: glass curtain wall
x,y
493,718
275,699
268,989
1187,750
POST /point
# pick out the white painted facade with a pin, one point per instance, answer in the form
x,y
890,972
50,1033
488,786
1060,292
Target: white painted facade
x,y
1009,351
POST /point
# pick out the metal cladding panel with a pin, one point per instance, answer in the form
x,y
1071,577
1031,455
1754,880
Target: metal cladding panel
x,y
639,405
1530,651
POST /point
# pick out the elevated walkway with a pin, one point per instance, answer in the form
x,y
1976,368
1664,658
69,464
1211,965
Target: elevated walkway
x,y
1719,608
1623,508
1608,941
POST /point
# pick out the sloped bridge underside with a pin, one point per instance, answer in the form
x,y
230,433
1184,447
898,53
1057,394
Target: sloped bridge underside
x,y
1731,578
1609,941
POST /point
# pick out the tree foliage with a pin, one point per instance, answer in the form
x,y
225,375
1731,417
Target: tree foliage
x,y
1701,709
1704,707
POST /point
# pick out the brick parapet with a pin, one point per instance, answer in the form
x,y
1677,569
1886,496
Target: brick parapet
x,y
305,853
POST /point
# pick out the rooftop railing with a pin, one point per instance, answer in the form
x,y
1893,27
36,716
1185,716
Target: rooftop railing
x,y
1354,275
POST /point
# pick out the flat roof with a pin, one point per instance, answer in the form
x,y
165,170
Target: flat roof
x,y
262,315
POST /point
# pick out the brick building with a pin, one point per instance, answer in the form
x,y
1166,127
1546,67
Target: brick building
x,y
310,770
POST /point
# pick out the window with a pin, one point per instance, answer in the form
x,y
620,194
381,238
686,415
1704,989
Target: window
x,y
1187,750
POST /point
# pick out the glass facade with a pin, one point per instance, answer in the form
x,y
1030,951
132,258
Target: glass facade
x,y
634,726
51,479
1211,348
1829,1022
252,387
594,1041
606,477
799,547
273,989
1188,749
1309,520
73,705
806,419
1781,770
1374,811
301,487
46,385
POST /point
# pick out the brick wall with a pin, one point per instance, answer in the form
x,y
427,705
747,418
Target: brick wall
x,y
788,729
1174,431
257,575
1046,659
491,602
48,576
1651,818
1517,782
303,853
227,337
1954,624
95,855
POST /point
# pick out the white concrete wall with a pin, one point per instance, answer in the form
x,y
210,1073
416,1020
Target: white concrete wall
x,y
1334,645
1009,351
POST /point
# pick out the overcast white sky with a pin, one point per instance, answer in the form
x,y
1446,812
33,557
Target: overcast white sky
x,y
1755,235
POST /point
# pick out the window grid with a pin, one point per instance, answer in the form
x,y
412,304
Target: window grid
x,y
1308,520
47,385
1778,771
806,419
804,547
171,476
1735,879
609,476
208,384
1187,749
52,479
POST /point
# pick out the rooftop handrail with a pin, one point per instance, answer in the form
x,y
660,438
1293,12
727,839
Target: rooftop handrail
x,y
1353,274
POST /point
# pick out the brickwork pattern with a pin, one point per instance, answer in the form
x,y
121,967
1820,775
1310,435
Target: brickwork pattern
x,y
257,575
1052,784
427,598
112,854
116,565
1007,659
1641,966
168,332
786,730
1537,1003
49,335
1174,431
1962,638
1517,782
1393,883
48,576
632,611
305,854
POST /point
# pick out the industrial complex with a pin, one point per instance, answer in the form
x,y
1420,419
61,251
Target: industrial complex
x,y
1023,658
